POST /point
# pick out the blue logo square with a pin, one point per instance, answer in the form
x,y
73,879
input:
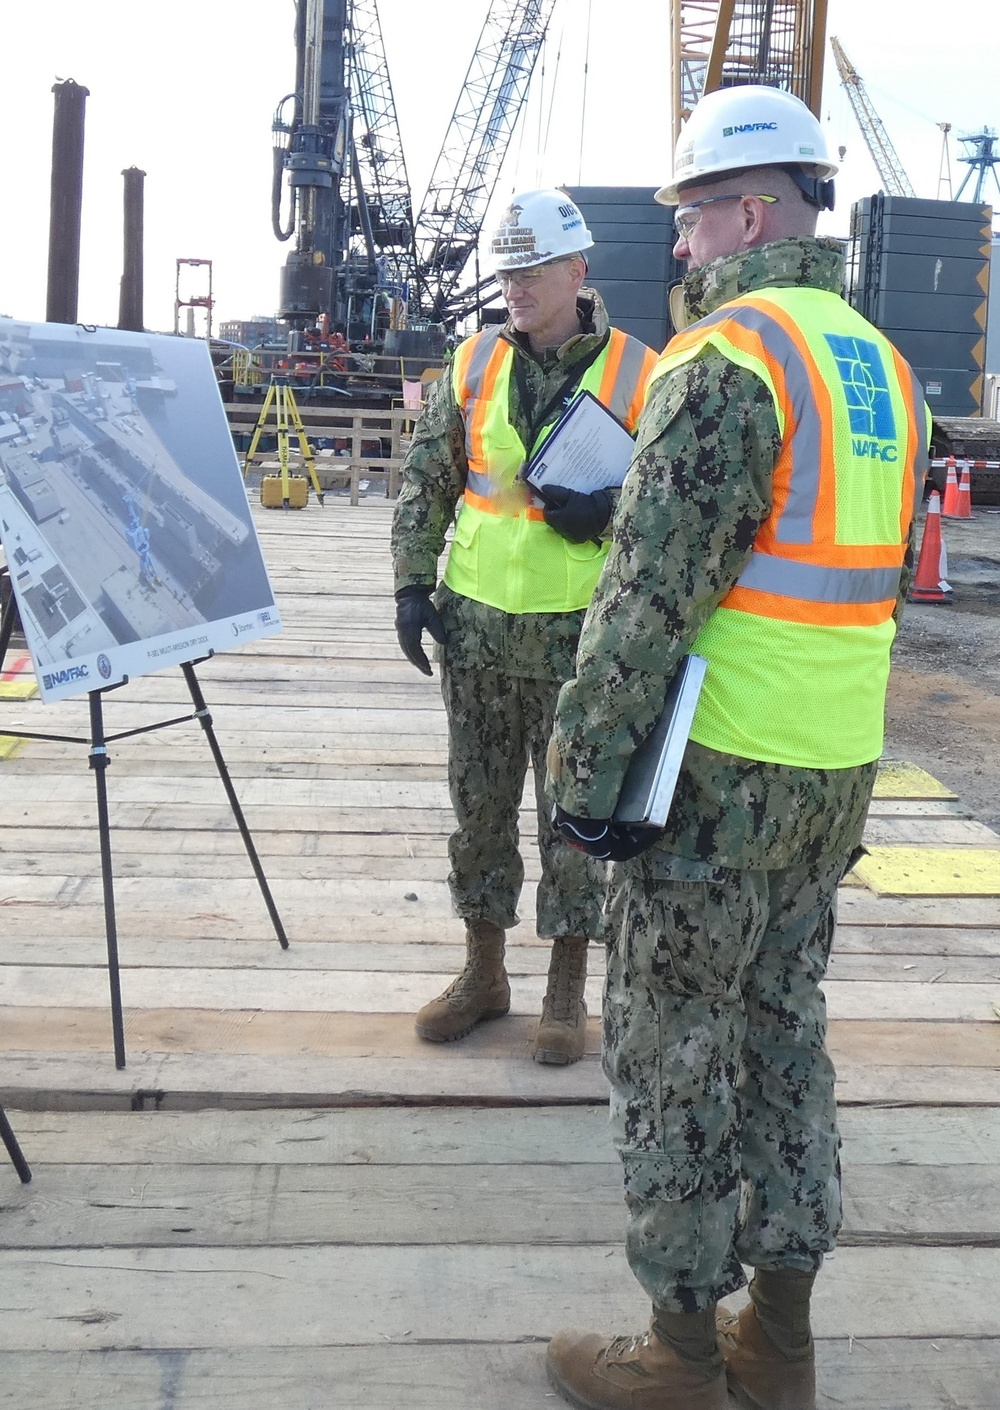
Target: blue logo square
x,y
866,387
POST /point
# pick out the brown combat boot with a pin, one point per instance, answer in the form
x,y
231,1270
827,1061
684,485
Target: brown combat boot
x,y
562,1031
481,991
631,1373
763,1374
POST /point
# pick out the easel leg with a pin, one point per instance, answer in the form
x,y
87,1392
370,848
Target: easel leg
x,y
13,1149
7,618
205,719
99,763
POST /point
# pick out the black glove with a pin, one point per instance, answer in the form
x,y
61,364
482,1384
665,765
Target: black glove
x,y
414,612
578,517
601,838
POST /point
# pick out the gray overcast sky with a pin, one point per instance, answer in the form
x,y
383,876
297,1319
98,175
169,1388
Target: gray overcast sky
x,y
186,90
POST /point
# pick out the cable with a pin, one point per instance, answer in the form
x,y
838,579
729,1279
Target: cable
x,y
583,113
552,90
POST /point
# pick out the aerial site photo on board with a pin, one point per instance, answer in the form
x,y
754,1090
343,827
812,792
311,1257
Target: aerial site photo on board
x,y
122,508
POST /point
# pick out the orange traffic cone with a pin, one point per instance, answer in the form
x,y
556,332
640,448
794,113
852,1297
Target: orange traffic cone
x,y
930,582
963,509
950,506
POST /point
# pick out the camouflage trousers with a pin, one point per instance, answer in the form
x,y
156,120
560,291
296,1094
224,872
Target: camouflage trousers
x,y
497,723
722,1099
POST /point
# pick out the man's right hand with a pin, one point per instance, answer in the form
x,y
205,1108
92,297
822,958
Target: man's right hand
x,y
414,612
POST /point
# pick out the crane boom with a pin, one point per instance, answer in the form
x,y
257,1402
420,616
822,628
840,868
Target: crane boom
x,y
877,140
378,145
475,145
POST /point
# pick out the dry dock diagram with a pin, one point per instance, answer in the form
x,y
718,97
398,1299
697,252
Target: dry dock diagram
x,y
122,509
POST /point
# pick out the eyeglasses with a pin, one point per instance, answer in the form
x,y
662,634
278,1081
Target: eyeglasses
x,y
687,217
506,277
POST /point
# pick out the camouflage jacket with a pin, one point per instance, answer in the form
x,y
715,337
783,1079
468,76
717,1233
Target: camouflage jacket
x,y
539,645
698,490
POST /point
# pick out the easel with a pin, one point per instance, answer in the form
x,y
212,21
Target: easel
x,y
286,412
99,761
13,1149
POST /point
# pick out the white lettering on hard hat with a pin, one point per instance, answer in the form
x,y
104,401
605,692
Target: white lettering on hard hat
x,y
750,127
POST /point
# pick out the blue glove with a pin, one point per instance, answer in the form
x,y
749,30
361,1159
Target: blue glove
x,y
601,838
578,517
414,612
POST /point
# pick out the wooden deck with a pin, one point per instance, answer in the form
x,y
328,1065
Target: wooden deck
x,y
286,1200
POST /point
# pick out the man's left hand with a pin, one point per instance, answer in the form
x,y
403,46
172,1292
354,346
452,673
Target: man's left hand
x,y
601,838
577,516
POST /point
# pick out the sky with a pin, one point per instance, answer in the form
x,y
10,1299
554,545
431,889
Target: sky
x,y
186,91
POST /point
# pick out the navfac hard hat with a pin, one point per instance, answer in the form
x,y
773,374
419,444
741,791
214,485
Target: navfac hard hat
x,y
733,129
538,226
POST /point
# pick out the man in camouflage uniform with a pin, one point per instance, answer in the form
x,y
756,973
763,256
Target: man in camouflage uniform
x,y
714,1025
508,631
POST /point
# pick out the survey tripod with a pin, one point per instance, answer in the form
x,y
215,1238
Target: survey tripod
x,y
286,415
99,760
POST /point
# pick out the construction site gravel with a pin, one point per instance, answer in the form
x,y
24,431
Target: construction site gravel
x,y
943,708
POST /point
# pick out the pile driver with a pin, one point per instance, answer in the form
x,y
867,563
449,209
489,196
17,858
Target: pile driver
x,y
362,262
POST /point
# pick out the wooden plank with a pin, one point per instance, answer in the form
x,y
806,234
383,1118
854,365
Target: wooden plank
x,y
300,991
373,1136
928,832
914,940
197,909
198,1297
307,856
386,953
234,1071
361,992
312,864
269,1205
861,907
861,1374
315,793
285,1033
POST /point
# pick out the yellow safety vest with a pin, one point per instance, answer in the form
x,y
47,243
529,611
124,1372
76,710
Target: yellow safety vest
x,y
503,552
798,649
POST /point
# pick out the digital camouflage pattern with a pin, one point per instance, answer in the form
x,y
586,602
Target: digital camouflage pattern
x,y
496,724
711,993
714,1024
501,671
697,492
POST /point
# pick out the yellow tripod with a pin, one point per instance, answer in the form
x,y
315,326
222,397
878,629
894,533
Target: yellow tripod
x,y
286,414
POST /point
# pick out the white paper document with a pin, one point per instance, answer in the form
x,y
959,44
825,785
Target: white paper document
x,y
588,450
648,787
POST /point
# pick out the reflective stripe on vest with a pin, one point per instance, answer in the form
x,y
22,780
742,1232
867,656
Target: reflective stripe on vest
x,y
799,647
503,552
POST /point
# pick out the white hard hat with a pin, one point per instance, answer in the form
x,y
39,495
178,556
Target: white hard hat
x,y
538,226
733,129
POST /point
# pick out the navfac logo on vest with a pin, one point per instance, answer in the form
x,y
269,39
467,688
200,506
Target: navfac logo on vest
x,y
869,400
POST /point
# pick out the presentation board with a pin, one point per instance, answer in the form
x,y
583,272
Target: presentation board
x,y
124,518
